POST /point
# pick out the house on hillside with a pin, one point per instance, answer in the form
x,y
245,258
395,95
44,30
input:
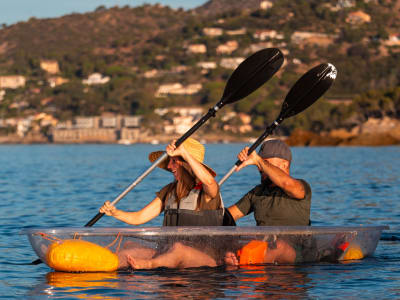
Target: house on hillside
x,y
358,17
45,119
177,89
197,48
98,129
270,34
231,63
345,4
259,46
50,66
207,65
12,81
2,94
56,81
315,38
240,31
213,31
228,47
264,5
96,78
151,73
187,111
393,40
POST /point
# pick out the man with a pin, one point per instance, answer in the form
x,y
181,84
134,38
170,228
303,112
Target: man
x,y
280,200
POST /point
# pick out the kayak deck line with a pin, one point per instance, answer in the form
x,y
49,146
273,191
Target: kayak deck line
x,y
201,230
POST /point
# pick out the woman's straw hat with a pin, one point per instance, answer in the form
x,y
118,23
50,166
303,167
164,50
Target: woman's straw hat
x,y
195,148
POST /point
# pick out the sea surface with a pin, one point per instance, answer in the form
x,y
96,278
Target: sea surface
x,y
64,185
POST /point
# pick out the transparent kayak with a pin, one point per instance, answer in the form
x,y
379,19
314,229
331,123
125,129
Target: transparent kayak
x,y
309,244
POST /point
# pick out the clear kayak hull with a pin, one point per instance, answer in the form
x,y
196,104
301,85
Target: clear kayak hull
x,y
309,243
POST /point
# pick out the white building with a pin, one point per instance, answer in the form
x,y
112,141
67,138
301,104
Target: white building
x,y
213,31
197,48
228,47
207,65
231,63
177,89
12,81
96,78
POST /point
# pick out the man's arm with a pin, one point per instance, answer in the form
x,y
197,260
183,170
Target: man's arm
x,y
235,212
277,175
243,207
291,186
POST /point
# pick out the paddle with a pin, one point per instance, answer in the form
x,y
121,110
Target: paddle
x,y
248,76
308,89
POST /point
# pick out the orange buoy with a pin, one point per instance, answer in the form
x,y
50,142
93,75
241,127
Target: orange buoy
x,y
352,252
253,253
80,256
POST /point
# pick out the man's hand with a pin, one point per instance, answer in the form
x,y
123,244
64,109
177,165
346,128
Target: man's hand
x,y
246,159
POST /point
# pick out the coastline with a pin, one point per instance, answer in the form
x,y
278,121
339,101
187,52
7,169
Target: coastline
x,y
297,138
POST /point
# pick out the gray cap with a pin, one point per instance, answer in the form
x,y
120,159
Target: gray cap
x,y
275,148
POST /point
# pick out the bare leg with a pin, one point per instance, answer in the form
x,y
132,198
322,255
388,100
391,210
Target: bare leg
x,y
179,256
135,250
283,253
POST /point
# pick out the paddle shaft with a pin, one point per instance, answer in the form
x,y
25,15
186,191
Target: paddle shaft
x,y
261,138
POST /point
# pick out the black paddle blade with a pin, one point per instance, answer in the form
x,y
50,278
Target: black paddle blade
x,y
308,89
252,73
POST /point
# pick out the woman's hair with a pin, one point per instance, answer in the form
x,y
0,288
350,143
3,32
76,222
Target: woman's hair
x,y
185,184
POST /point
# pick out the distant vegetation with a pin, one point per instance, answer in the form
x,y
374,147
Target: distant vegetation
x,y
123,43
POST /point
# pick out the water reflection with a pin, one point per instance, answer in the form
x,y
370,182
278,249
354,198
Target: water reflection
x,y
81,285
274,282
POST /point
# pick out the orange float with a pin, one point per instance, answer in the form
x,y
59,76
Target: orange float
x,y
252,253
80,256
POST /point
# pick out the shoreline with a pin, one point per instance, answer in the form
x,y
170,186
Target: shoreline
x,y
299,138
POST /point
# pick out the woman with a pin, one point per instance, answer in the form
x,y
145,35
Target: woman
x,y
192,199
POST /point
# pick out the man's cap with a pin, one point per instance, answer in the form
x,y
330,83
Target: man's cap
x,y
275,148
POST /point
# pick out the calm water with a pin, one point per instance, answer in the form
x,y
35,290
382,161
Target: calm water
x,y
52,186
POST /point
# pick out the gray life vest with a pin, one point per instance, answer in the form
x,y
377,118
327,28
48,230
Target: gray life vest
x,y
184,213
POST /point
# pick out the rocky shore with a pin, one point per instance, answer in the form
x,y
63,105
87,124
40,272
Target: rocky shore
x,y
374,132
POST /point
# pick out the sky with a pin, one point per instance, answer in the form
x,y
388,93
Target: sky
x,y
13,11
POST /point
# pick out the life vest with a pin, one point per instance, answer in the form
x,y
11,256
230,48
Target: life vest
x,y
184,213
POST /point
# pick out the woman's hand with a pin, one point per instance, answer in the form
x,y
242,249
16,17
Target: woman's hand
x,y
108,209
172,150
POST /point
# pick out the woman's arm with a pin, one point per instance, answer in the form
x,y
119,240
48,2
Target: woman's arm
x,y
210,186
149,212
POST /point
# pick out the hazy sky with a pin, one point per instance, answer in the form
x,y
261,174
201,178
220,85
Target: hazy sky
x,y
12,11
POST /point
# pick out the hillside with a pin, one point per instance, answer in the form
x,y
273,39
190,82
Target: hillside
x,y
139,49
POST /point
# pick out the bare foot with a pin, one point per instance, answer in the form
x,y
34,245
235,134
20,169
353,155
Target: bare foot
x,y
137,263
231,259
